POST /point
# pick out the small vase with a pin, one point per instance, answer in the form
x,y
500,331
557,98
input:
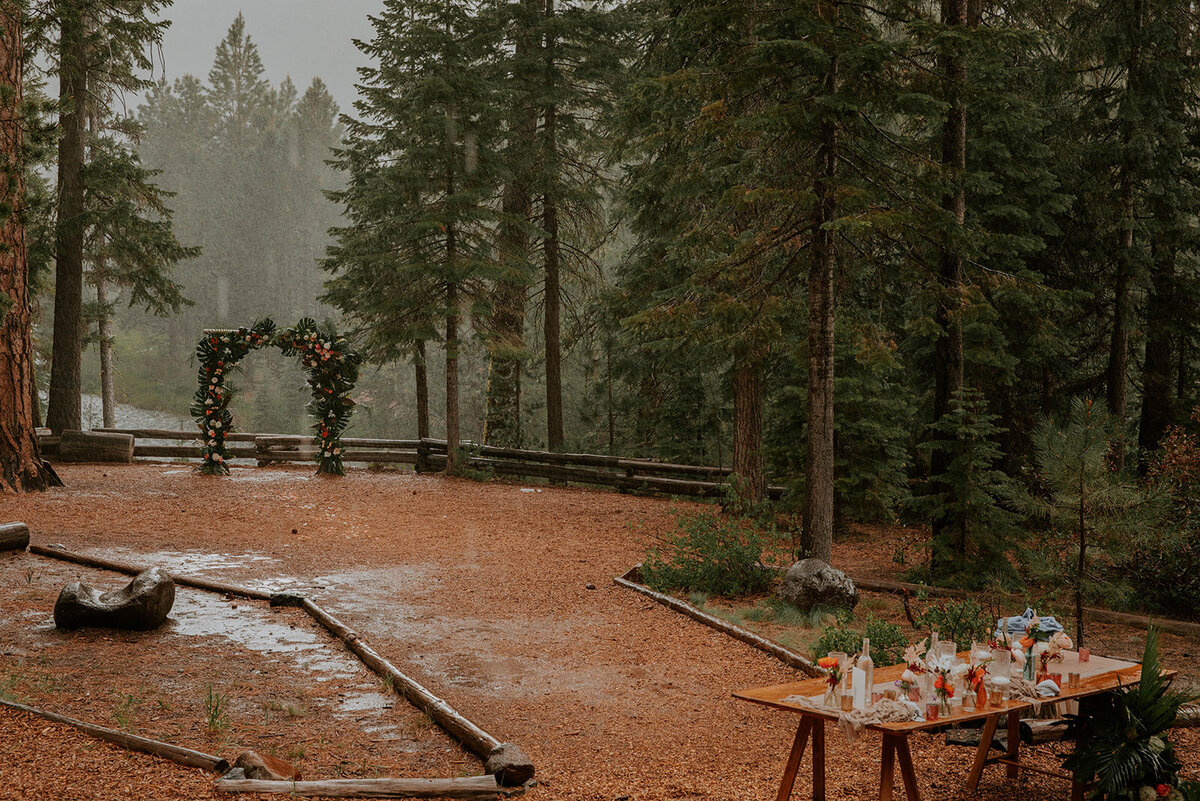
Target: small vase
x,y
981,696
944,708
914,695
1029,671
831,699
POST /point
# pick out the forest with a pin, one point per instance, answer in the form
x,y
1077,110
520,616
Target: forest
x,y
929,263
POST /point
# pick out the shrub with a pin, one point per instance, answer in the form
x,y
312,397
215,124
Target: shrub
x,y
710,553
1164,576
1124,742
887,640
963,621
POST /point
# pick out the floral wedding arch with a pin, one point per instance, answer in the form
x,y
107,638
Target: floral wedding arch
x,y
332,369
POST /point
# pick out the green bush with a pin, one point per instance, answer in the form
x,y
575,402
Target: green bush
x,y
710,553
961,622
1164,577
887,640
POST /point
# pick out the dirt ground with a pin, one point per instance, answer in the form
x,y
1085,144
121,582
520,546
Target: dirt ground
x,y
480,591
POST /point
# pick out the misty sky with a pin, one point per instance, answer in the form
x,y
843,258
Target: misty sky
x,y
300,38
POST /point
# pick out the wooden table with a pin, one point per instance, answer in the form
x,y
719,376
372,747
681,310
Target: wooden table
x,y
1098,675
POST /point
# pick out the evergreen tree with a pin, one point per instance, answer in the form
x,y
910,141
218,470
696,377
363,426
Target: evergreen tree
x,y
421,185
104,50
20,461
129,245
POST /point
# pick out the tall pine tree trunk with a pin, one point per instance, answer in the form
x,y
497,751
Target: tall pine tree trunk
x,y
552,333
422,390
819,462
748,426
1157,404
20,462
948,349
452,438
502,424
108,394
1117,374
66,362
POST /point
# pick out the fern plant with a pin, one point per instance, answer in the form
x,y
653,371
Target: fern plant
x,y
1123,742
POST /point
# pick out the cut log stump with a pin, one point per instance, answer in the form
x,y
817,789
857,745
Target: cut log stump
x,y
92,446
14,536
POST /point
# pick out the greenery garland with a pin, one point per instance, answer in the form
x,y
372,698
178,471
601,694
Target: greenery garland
x,y
332,369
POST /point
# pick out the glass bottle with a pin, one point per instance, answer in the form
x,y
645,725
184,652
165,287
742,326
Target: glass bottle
x,y
867,666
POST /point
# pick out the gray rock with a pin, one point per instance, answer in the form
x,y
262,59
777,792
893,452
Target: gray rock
x,y
509,765
142,605
813,583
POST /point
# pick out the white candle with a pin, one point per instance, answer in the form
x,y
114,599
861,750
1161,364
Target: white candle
x,y
859,685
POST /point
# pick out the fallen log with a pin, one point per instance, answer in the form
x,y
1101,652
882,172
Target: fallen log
x,y
473,738
94,446
175,753
1035,732
133,570
789,658
14,536
470,787
1181,627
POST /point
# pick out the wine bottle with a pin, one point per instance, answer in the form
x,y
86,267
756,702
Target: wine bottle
x,y
868,667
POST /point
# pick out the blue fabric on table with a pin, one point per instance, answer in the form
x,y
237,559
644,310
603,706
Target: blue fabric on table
x,y
1017,623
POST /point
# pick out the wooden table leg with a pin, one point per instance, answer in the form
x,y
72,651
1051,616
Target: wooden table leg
x,y
909,775
886,768
818,759
981,753
793,763
1014,744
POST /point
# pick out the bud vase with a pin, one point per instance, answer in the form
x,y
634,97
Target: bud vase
x,y
1030,669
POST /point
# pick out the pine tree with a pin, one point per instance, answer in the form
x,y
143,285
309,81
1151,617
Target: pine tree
x,y
129,244
1084,496
20,461
104,48
421,182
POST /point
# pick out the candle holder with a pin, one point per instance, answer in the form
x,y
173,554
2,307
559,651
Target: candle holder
x,y
1085,654
877,696
847,702
1057,679
931,710
1073,681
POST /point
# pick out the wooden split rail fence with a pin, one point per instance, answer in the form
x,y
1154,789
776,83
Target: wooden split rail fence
x,y
429,455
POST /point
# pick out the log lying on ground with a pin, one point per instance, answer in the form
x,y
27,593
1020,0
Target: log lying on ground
x,y
133,570
1180,627
92,446
789,658
1034,732
14,537
175,753
470,787
512,767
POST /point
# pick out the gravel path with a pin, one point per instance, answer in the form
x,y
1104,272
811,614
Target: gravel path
x,y
481,592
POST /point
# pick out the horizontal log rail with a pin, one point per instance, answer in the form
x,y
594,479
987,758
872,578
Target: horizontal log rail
x,y
430,455
466,787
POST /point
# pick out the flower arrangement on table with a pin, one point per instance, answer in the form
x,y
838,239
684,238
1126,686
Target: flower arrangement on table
x,y
974,677
1051,650
946,671
1034,643
833,677
914,667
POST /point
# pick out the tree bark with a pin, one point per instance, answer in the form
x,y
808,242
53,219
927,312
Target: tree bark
x,y
748,427
67,356
554,411
506,353
20,462
1117,374
422,391
108,394
1157,404
819,462
452,438
948,349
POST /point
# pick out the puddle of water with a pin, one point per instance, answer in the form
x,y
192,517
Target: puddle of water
x,y
196,562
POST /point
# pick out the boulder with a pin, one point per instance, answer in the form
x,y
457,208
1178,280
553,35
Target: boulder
x,y
142,605
812,583
508,763
264,766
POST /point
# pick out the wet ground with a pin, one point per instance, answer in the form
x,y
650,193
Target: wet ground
x,y
220,676
481,592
